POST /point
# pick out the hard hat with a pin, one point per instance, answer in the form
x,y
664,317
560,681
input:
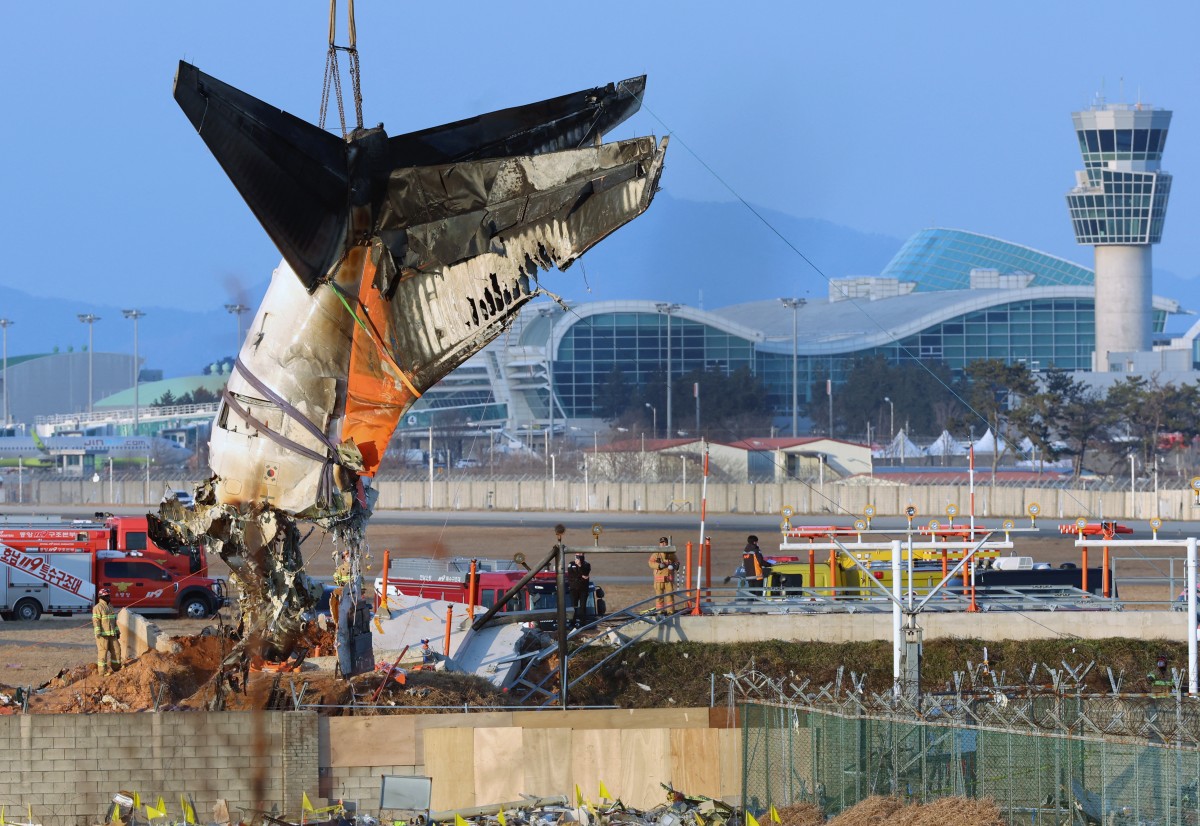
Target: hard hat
x,y
104,592
424,642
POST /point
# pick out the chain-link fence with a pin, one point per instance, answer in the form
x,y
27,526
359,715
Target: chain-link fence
x,y
836,759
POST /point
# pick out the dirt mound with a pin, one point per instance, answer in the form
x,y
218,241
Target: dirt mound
x,y
152,680
189,679
423,691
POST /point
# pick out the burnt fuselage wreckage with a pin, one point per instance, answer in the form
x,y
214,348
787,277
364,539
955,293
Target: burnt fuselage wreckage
x,y
402,257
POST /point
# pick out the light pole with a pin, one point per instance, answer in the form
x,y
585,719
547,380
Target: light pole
x,y
237,310
1132,486
892,408
668,309
135,315
794,304
548,313
90,320
654,420
829,393
5,323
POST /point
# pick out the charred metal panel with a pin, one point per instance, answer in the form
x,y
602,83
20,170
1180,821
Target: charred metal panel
x,y
565,122
466,273
292,175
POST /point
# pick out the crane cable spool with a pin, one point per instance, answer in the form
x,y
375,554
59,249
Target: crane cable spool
x,y
333,76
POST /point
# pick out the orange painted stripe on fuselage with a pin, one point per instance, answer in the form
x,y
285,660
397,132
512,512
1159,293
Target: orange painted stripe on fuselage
x,y
377,391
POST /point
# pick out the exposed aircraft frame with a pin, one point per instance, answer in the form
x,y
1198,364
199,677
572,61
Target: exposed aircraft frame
x,y
403,256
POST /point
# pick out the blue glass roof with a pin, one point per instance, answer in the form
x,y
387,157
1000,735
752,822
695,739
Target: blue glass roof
x,y
942,259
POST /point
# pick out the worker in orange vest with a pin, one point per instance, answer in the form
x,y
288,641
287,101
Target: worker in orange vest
x,y
663,565
754,567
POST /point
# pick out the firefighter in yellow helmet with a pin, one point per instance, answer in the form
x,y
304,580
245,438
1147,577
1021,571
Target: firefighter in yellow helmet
x,y
663,564
104,623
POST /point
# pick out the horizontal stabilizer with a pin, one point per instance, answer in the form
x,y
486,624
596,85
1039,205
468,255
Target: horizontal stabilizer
x,y
293,175
565,122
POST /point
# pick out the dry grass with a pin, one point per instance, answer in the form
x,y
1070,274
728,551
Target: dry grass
x,y
680,674
891,811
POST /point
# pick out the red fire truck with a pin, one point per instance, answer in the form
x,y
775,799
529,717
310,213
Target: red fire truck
x,y
104,532
449,579
51,565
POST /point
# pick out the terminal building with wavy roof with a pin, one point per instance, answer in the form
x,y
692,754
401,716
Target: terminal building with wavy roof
x,y
947,296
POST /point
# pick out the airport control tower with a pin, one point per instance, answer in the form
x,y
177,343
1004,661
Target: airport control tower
x,y
1118,206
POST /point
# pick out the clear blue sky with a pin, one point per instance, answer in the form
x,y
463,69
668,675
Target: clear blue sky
x,y
884,117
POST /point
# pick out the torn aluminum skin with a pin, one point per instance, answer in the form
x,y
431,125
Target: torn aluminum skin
x,y
402,257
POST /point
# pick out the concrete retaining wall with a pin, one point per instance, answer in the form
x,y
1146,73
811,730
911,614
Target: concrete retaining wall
x,y
473,493
861,627
68,766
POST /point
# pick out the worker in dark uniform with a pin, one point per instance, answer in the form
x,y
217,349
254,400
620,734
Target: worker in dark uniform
x,y
579,577
104,623
754,567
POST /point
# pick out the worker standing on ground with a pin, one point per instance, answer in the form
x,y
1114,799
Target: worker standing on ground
x,y
663,565
579,577
104,623
754,567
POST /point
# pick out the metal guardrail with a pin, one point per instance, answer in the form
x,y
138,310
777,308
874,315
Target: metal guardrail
x,y
145,412
867,601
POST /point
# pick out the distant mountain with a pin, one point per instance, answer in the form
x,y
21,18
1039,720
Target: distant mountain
x,y
683,251
178,342
708,254
720,253
1183,290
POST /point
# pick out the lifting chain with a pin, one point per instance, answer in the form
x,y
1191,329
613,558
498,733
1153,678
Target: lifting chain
x,y
333,75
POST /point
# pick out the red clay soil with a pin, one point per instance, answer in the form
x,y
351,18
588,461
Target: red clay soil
x,y
188,680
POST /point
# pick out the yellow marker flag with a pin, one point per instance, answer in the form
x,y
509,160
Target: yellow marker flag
x,y
1,816
775,814
189,814
137,801
306,803
154,814
161,804
751,820
604,795
458,821
499,818
578,796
